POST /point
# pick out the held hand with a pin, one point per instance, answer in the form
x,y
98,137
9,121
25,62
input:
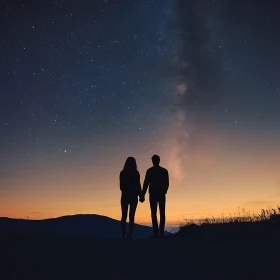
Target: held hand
x,y
141,198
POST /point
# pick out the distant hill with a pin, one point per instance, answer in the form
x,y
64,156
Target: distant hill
x,y
76,225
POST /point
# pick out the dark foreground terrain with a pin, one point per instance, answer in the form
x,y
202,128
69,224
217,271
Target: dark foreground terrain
x,y
248,252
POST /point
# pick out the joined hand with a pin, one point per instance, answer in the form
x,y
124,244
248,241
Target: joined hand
x,y
141,198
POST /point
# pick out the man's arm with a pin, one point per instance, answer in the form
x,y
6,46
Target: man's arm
x,y
167,181
146,183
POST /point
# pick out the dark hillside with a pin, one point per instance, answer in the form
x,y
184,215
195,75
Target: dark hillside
x,y
77,225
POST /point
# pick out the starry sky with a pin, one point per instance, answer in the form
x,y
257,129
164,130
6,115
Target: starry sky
x,y
85,84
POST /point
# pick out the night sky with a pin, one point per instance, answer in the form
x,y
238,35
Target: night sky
x,y
85,84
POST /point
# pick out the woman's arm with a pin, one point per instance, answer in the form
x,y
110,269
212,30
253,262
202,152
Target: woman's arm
x,y
138,183
121,181
146,183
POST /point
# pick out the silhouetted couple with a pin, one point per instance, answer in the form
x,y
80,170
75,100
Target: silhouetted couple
x,y
157,180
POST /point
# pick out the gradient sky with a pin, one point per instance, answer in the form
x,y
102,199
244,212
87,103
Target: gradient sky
x,y
85,84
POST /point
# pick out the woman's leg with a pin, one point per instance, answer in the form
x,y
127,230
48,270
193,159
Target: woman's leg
x,y
124,206
132,210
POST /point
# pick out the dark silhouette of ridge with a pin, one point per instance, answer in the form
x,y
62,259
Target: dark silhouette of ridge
x,y
77,225
233,230
211,251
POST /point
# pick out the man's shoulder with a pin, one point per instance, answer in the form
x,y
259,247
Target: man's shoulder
x,y
164,169
155,169
150,169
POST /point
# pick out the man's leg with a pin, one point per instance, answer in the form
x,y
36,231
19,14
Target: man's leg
x,y
124,206
153,206
132,210
162,201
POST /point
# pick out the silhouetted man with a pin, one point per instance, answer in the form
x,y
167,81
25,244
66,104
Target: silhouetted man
x,y
157,180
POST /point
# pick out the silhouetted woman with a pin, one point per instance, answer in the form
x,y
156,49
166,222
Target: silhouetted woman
x,y
130,187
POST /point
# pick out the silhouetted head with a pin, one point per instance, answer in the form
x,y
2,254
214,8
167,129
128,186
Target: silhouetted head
x,y
155,160
130,164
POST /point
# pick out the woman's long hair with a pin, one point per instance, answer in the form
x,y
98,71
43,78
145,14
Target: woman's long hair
x,y
130,164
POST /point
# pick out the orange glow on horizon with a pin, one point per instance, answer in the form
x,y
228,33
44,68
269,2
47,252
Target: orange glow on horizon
x,y
221,174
